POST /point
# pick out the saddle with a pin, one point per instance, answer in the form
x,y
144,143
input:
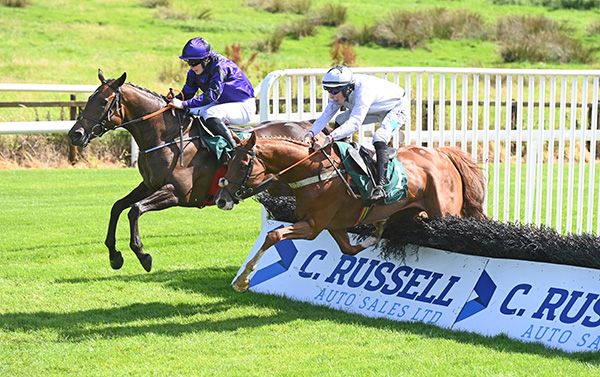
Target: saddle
x,y
362,169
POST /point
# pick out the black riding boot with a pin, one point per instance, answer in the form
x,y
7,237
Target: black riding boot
x,y
381,150
217,127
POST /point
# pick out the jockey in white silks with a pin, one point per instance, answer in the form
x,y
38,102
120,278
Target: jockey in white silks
x,y
368,99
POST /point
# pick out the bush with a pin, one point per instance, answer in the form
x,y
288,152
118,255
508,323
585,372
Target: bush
x,y
538,39
594,28
571,4
280,6
173,73
32,151
165,12
329,15
457,24
15,3
157,3
272,43
350,34
342,54
298,29
403,29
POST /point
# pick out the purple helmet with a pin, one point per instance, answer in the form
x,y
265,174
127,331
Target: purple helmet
x,y
196,48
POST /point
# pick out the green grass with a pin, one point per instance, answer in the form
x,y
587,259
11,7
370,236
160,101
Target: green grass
x,y
65,41
65,312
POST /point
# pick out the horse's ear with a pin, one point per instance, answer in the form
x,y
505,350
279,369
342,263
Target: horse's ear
x,y
251,141
118,82
101,76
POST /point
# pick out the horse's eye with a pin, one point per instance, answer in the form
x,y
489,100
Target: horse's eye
x,y
223,182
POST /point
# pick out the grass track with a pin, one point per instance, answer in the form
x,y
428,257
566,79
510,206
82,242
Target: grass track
x,y
63,311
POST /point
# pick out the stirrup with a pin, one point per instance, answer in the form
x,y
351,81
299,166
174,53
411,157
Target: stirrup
x,y
378,193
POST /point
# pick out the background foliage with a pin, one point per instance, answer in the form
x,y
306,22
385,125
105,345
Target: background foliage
x,y
64,41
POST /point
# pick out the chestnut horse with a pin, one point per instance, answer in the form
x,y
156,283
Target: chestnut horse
x,y
168,178
441,182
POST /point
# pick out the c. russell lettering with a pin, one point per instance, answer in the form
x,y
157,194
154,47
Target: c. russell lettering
x,y
385,277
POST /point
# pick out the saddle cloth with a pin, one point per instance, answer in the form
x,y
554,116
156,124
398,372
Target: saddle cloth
x,y
361,169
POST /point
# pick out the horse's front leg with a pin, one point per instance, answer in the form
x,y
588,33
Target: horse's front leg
x,y
137,194
162,198
340,236
299,230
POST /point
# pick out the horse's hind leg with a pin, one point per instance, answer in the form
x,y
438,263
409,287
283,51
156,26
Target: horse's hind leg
x,y
299,230
160,199
114,255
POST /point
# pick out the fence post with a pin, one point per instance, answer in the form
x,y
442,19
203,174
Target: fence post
x,y
74,151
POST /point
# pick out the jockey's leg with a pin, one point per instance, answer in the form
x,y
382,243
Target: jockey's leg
x,y
381,150
217,127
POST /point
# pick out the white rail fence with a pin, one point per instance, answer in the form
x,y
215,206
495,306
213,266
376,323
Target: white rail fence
x,y
535,132
48,126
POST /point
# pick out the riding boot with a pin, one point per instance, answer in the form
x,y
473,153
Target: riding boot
x,y
217,127
381,150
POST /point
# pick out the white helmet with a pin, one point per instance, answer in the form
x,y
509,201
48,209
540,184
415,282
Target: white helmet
x,y
336,77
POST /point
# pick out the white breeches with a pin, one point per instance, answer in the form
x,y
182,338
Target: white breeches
x,y
229,113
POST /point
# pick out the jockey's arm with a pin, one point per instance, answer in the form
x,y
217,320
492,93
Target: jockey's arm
x,y
357,116
212,93
322,121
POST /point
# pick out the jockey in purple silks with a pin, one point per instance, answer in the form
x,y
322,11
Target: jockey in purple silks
x,y
227,94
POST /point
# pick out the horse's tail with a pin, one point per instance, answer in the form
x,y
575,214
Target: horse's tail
x,y
472,179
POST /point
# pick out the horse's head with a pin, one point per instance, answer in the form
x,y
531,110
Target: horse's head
x,y
244,172
97,116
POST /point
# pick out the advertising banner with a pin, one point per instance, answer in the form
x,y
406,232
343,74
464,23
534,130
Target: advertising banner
x,y
556,305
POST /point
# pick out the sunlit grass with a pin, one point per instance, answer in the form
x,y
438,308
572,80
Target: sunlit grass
x,y
64,311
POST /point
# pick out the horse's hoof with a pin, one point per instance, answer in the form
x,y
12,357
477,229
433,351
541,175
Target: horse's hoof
x,y
241,286
116,260
370,241
146,261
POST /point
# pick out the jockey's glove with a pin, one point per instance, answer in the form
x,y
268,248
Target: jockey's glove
x,y
177,103
309,137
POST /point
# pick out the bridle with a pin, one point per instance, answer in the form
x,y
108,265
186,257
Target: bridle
x,y
244,191
99,128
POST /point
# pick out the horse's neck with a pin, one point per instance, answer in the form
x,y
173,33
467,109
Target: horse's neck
x,y
278,155
137,104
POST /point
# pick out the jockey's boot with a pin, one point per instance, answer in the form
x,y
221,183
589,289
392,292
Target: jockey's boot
x,y
381,150
217,127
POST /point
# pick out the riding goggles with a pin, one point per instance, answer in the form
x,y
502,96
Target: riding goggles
x,y
334,91
193,62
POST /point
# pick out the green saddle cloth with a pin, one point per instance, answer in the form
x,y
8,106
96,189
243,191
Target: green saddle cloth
x,y
218,145
397,187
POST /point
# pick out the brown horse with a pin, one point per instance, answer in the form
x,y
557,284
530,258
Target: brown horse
x,y
442,181
168,178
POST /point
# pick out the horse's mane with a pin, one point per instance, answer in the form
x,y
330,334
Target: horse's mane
x,y
155,95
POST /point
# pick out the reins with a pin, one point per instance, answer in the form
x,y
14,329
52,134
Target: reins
x,y
244,193
147,116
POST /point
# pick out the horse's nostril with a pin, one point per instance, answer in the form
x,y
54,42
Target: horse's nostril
x,y
221,203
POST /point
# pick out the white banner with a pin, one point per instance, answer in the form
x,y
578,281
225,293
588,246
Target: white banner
x,y
556,305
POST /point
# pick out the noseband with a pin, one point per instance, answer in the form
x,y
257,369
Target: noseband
x,y
244,191
99,128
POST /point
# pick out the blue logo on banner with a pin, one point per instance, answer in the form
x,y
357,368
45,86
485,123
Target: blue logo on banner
x,y
484,288
287,252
